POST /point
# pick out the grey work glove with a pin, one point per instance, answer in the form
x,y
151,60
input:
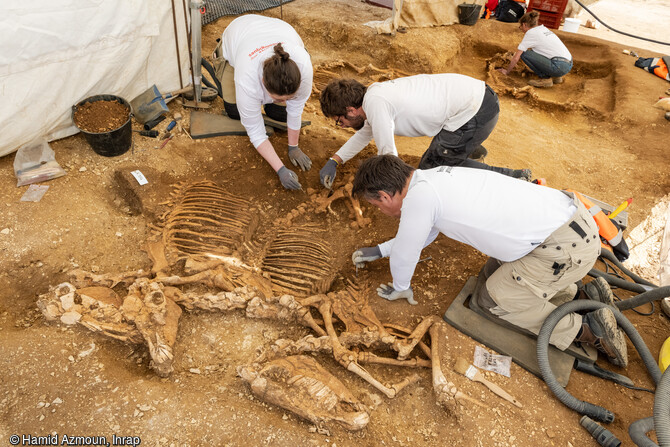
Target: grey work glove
x,y
288,178
299,158
327,173
387,292
365,254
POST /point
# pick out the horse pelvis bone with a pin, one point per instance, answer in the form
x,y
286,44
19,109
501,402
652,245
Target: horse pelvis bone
x,y
300,385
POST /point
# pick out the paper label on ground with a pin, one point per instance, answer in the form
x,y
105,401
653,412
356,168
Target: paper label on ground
x,y
500,364
34,193
141,179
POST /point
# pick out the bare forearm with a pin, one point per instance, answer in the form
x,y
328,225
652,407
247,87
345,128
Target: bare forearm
x,y
293,137
514,61
268,153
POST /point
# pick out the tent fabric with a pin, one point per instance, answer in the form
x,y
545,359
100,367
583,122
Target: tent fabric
x,y
54,53
420,13
219,8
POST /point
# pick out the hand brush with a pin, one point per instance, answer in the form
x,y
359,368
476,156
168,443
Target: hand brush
x,y
464,367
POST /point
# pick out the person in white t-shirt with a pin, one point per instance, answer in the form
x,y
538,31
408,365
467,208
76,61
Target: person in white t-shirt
x,y
267,65
542,241
458,111
542,51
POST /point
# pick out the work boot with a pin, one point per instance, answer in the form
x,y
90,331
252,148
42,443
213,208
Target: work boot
x,y
600,329
542,82
599,290
479,154
558,80
523,174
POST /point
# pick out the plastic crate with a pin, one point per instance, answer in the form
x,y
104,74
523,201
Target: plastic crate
x,y
557,6
549,19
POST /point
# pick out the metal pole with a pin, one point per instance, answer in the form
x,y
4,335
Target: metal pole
x,y
176,41
196,44
188,39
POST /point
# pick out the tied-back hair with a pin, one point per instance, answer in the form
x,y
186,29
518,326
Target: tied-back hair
x,y
281,75
385,173
530,18
340,94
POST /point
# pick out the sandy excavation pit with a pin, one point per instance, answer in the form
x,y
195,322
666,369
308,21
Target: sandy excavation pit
x,y
597,133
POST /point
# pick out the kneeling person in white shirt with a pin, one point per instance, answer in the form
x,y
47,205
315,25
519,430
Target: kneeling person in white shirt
x,y
543,239
266,66
458,111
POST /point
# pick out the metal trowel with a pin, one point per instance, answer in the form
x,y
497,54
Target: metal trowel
x,y
148,105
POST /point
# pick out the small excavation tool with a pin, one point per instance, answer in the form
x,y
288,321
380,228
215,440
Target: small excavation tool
x,y
464,367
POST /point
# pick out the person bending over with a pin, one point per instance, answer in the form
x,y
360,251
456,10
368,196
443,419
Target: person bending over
x,y
542,51
541,240
267,66
458,111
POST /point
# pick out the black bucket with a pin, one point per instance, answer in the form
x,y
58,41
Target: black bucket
x,y
111,143
468,13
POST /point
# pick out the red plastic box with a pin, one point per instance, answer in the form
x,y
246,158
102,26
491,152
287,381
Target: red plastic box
x,y
557,6
550,19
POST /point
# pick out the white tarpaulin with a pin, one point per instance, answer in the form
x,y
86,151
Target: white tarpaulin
x,y
54,53
420,13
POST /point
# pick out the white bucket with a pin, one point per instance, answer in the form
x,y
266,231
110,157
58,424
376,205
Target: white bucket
x,y
571,25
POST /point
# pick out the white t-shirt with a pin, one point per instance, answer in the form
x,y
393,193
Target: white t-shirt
x,y
247,42
544,42
500,216
415,106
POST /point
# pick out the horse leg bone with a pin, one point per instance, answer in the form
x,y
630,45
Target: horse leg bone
x,y
405,347
368,357
403,333
446,392
391,391
347,358
323,203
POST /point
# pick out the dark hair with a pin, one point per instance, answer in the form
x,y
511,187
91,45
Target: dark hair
x,y
281,75
340,94
530,18
385,173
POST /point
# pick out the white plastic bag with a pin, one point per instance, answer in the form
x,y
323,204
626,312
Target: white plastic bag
x,y
36,162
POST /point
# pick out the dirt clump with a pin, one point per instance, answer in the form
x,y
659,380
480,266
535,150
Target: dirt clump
x,y
101,116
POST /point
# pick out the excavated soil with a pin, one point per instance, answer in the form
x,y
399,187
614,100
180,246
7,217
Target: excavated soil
x,y
100,116
597,133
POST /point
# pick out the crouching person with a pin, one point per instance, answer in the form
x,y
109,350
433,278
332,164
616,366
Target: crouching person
x,y
542,240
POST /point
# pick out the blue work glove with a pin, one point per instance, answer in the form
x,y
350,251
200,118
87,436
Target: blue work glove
x,y
288,178
327,173
299,158
387,292
365,254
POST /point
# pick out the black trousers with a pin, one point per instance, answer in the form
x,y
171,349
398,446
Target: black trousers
x,y
453,148
274,111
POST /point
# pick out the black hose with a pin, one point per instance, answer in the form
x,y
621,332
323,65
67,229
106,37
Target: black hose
x,y
208,67
613,259
643,298
617,31
662,410
618,282
638,432
594,411
602,435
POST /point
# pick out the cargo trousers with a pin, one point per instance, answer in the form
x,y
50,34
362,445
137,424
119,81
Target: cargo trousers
x,y
520,290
